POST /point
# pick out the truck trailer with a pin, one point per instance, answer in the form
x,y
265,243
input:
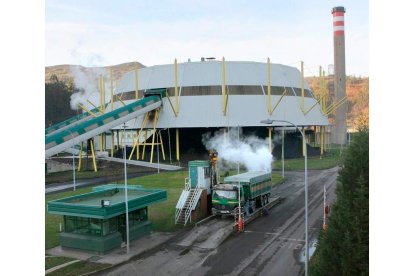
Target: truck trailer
x,y
254,192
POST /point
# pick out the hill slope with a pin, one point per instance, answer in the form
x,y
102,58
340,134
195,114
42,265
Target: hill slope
x,y
357,91
66,72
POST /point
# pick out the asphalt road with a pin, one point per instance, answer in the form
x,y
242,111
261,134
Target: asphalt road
x,y
271,245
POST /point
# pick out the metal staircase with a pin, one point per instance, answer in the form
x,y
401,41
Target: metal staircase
x,y
187,202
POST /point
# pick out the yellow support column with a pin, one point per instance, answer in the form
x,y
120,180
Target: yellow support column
x,y
93,157
224,90
80,157
303,142
91,103
138,136
270,139
176,87
269,90
136,144
154,133
136,82
87,110
162,145
177,144
145,143
112,143
323,140
169,144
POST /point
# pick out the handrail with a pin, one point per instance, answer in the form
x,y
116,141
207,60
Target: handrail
x,y
82,127
187,184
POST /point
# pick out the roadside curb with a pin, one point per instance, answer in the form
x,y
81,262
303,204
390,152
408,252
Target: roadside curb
x,y
50,270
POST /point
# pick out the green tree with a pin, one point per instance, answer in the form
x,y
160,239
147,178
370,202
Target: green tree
x,y
57,101
343,248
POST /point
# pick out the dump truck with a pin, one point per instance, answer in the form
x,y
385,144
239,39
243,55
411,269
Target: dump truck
x,y
254,193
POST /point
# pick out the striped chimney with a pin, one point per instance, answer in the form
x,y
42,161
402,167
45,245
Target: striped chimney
x,y
339,130
338,21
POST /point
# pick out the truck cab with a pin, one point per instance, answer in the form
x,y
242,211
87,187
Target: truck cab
x,y
225,199
254,193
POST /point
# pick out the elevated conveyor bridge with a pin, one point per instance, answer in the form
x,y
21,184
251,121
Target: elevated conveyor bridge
x,y
80,128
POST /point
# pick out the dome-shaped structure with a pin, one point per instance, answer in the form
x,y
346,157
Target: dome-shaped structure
x,y
192,98
203,104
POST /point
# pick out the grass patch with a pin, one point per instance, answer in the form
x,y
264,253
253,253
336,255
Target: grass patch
x,y
53,261
330,160
162,214
277,179
79,268
105,169
52,221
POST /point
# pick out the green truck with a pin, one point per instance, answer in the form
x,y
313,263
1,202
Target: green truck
x,y
254,192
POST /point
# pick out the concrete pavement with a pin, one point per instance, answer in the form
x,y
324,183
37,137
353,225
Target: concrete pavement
x,y
270,245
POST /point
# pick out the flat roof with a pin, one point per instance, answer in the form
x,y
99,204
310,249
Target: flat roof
x,y
114,197
90,204
247,177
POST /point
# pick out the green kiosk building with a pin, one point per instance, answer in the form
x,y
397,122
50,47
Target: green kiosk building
x,y
96,221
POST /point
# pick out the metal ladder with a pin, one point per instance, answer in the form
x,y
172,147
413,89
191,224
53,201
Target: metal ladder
x,y
183,215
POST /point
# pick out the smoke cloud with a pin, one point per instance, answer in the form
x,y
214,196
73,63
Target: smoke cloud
x,y
87,80
251,151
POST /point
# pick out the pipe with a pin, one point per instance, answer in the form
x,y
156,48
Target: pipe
x,y
80,157
154,133
136,81
176,87
93,156
177,144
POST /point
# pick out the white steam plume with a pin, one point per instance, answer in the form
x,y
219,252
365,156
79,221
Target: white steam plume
x,y
252,152
88,83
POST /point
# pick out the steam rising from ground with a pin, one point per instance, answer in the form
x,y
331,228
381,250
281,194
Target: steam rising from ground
x,y
88,83
252,152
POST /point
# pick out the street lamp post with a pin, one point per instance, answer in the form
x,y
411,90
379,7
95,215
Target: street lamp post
x,y
158,153
283,153
73,163
73,168
269,122
238,172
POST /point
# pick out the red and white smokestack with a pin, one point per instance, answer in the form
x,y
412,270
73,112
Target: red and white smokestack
x,y
338,20
339,131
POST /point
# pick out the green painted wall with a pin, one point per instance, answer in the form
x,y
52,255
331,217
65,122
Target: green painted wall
x,y
96,244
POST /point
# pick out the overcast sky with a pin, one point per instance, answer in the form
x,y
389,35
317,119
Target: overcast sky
x,y
102,32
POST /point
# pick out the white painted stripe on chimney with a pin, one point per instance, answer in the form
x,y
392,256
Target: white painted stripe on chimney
x,y
338,18
339,28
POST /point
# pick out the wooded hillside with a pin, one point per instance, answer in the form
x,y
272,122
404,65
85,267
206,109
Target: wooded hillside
x,y
65,72
357,91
